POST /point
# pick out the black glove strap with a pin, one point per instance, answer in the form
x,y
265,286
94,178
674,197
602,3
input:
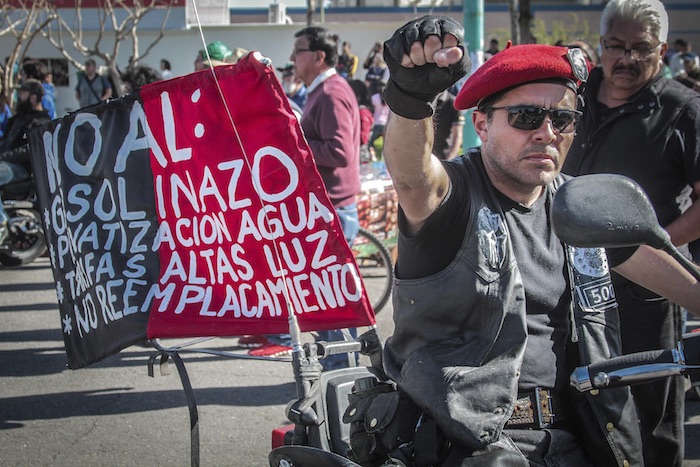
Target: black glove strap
x,y
405,105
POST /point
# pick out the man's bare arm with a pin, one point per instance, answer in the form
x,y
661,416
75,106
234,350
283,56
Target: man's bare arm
x,y
419,178
422,66
660,273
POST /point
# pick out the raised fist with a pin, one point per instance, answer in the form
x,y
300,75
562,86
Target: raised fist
x,y
425,57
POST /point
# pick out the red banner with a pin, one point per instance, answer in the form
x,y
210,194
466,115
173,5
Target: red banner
x,y
247,232
178,212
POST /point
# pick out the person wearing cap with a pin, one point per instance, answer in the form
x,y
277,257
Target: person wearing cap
x,y
484,297
645,126
15,165
216,54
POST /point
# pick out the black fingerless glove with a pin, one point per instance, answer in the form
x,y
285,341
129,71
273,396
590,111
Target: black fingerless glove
x,y
412,92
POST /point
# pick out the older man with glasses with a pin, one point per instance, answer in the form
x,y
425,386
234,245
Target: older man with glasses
x,y
331,124
640,124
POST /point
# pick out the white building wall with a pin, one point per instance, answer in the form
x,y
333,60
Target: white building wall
x,y
275,41
180,47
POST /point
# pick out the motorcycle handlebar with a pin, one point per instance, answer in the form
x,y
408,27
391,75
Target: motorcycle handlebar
x,y
326,349
368,343
628,369
635,359
641,367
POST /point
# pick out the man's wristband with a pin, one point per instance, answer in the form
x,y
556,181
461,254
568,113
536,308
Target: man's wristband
x,y
405,105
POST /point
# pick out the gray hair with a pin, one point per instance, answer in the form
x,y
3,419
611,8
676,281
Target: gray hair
x,y
647,12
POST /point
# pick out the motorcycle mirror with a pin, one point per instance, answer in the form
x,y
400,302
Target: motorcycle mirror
x,y
606,210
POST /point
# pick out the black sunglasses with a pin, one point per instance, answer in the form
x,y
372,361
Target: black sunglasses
x,y
529,117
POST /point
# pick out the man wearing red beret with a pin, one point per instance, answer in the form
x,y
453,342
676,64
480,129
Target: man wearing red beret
x,y
487,325
645,126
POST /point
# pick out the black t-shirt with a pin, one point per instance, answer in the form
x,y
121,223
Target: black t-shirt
x,y
541,260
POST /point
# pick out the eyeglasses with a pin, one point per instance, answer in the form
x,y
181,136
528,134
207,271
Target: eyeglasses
x,y
637,54
529,117
298,51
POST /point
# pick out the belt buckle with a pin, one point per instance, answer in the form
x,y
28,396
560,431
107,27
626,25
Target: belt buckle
x,y
543,408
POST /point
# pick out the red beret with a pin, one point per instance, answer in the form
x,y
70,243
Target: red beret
x,y
518,65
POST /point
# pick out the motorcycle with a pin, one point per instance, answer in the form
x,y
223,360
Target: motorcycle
x,y
24,239
584,216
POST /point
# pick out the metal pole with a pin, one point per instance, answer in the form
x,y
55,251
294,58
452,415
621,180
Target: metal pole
x,y
474,38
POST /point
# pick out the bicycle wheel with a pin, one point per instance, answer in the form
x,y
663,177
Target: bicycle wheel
x,y
376,268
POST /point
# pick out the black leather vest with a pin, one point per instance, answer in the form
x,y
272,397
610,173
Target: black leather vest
x,y
460,336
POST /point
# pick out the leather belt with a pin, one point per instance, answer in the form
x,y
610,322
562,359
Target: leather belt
x,y
538,408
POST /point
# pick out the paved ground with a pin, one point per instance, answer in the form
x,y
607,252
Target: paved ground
x,y
113,414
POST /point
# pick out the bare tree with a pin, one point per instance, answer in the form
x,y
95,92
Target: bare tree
x,y
310,7
526,23
24,20
521,22
514,7
119,19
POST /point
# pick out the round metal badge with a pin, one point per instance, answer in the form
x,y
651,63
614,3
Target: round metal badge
x,y
578,64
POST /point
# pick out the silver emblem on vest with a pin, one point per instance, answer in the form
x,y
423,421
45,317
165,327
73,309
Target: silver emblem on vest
x,y
593,285
492,237
591,261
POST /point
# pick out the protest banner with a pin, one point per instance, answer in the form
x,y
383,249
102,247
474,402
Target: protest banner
x,y
192,208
